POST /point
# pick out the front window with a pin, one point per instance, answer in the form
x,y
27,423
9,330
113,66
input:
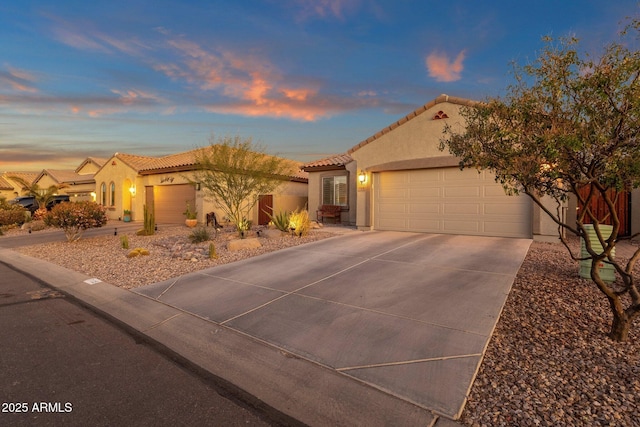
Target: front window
x,y
103,194
334,190
112,194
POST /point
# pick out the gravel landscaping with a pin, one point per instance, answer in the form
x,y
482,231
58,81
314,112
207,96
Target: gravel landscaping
x,y
171,254
549,362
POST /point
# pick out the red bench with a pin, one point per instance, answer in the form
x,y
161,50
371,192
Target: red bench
x,y
329,211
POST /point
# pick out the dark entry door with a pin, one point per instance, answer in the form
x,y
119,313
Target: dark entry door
x,y
265,205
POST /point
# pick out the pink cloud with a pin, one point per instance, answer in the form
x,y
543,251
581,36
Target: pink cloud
x,y
252,84
18,80
442,69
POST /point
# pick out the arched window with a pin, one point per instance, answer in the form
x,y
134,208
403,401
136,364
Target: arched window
x,y
103,194
112,194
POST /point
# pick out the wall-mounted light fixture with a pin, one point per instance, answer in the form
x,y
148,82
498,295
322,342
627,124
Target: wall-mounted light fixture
x,y
198,186
132,190
362,177
93,196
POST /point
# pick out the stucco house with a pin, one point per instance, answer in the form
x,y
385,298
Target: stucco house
x,y
128,182
398,179
10,188
79,184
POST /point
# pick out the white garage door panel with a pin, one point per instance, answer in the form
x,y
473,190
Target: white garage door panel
x,y
448,200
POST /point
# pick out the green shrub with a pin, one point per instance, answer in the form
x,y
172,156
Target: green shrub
x,y
199,234
74,218
12,214
299,221
124,242
280,221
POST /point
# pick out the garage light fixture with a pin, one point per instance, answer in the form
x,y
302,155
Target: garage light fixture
x,y
362,177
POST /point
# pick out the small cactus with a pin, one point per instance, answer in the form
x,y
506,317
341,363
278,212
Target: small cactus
x,y
124,241
212,251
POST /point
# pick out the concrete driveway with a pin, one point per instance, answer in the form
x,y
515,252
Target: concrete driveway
x,y
406,313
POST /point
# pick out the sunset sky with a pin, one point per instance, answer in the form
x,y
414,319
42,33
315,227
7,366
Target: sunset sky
x,y
304,78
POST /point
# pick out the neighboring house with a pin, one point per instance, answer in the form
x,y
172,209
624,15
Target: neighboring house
x,y
79,184
6,189
398,179
10,189
129,182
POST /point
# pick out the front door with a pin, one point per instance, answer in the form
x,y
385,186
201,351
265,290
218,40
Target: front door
x,y
265,208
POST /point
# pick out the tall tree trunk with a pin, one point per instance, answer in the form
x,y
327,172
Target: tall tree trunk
x,y
620,327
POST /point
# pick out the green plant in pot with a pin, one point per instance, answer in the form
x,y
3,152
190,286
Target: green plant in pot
x,y
127,215
191,216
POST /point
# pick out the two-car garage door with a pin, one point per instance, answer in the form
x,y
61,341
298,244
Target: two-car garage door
x,y
448,200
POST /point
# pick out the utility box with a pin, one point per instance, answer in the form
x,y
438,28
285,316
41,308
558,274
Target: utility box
x,y
607,272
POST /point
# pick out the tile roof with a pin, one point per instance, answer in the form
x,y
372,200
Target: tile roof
x,y
27,176
98,161
328,162
172,161
4,184
185,161
413,114
65,176
134,161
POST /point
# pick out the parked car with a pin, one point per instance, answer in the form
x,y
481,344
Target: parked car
x,y
57,200
29,202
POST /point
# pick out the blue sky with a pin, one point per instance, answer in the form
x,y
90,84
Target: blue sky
x,y
304,78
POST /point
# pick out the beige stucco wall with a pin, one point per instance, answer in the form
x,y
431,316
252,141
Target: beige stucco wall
x,y
315,192
119,173
88,168
286,198
414,139
15,192
544,228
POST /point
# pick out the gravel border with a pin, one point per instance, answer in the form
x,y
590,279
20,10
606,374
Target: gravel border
x,y
549,361
171,254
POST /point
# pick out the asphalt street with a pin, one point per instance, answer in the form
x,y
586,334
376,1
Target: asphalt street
x,y
63,364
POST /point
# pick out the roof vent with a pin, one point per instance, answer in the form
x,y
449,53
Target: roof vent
x,y
440,115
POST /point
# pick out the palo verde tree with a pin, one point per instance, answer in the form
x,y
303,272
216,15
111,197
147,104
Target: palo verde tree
x,y
568,127
235,172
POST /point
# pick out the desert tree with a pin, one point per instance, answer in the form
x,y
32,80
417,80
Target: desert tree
x,y
234,172
568,127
